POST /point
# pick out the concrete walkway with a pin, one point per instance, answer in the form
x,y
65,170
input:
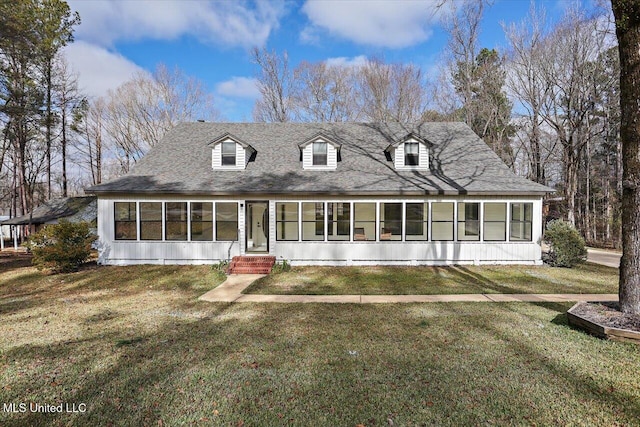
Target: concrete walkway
x,y
231,291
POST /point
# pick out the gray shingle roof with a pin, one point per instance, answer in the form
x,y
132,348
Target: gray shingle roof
x,y
461,163
73,209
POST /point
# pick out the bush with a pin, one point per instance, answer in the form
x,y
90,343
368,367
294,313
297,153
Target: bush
x,y
281,266
567,246
61,247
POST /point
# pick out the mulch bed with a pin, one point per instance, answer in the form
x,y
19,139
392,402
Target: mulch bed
x,y
608,314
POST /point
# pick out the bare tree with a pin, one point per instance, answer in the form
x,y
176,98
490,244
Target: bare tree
x,y
524,81
627,16
325,93
142,110
392,92
88,124
275,85
570,52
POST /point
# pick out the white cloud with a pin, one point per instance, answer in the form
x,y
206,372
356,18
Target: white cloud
x,y
381,23
343,61
239,87
227,23
99,70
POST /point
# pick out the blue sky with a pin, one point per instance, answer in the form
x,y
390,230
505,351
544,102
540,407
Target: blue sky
x,y
211,40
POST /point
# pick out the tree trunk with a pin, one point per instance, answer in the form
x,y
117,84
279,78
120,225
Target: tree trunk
x,y
64,151
627,16
49,125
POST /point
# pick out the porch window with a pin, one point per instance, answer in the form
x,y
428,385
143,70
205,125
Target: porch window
x,y
364,225
495,222
442,221
468,221
411,154
390,221
125,221
312,221
319,154
521,214
287,221
201,221
228,153
339,221
226,221
150,221
176,221
417,215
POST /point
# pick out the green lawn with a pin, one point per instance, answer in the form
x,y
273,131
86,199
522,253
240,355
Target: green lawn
x,y
586,278
136,347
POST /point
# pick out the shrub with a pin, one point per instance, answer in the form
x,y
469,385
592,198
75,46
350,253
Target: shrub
x,y
61,247
567,246
281,266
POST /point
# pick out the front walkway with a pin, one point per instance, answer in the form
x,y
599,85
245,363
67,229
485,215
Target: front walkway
x,y
231,291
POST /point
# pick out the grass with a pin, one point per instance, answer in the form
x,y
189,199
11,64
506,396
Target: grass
x,y
136,347
586,278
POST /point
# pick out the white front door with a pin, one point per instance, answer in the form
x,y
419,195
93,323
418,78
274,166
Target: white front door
x,y
257,226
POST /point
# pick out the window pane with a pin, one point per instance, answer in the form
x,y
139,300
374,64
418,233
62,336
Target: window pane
x,y
364,227
521,221
442,221
202,221
390,221
226,221
416,219
495,222
468,221
125,221
312,221
287,221
150,221
319,153
176,221
411,154
228,153
339,221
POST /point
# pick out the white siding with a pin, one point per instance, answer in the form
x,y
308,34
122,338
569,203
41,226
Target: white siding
x,y
332,157
241,157
423,157
327,253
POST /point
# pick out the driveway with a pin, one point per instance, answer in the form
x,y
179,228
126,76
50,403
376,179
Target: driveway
x,y
608,258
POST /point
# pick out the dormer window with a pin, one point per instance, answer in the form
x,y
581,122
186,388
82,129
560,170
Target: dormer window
x,y
228,153
411,154
319,154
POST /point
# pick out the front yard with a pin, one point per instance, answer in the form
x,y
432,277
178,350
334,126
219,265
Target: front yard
x,y
584,279
135,346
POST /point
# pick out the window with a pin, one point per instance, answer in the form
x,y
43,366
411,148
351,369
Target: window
x,y
125,221
228,153
319,154
364,226
411,154
495,222
226,221
390,221
339,221
417,216
287,221
521,214
442,221
201,221
150,221
312,221
468,221
175,221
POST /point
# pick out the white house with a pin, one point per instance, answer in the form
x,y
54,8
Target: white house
x,y
331,193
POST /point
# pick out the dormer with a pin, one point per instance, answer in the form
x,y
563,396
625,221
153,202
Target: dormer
x,y
320,153
410,153
230,153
